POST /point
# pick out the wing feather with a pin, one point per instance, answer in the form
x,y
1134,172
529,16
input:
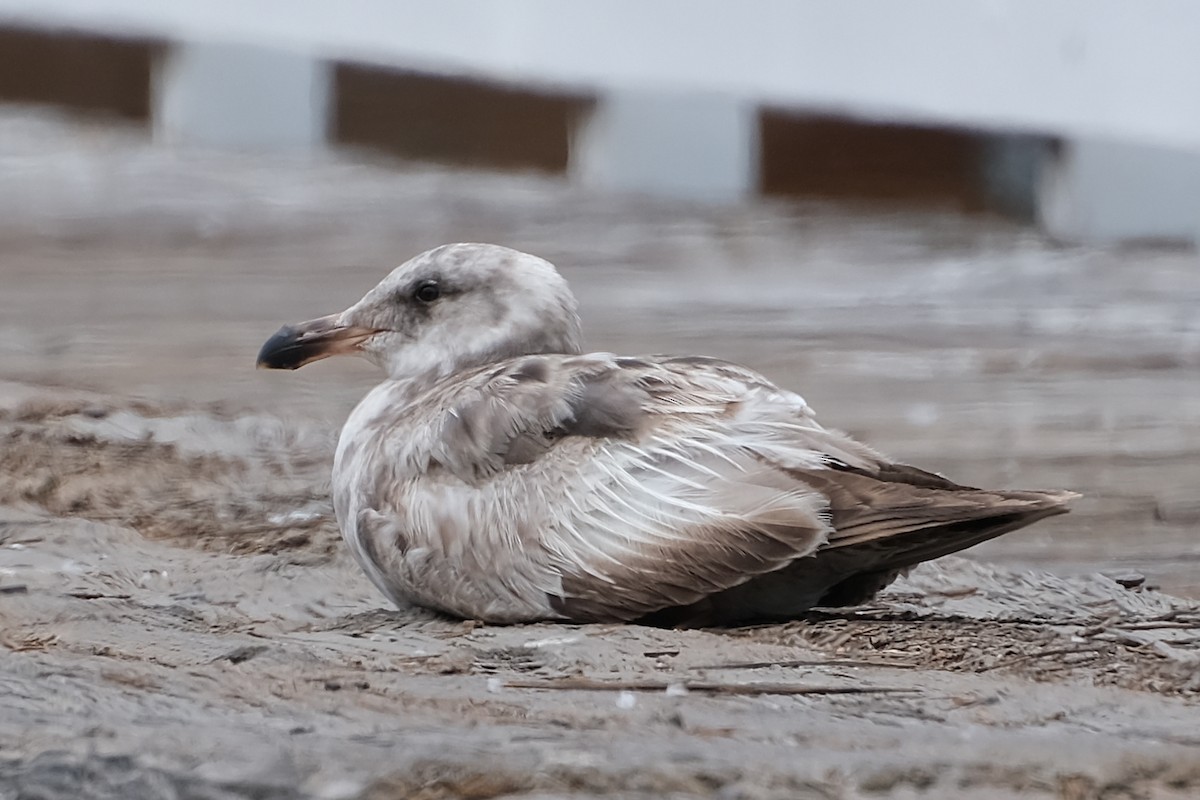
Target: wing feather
x,y
610,489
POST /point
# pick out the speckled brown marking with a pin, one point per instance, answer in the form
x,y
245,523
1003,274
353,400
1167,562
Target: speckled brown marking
x,y
607,405
532,370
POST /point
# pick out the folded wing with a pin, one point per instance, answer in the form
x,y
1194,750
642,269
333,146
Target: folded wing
x,y
660,483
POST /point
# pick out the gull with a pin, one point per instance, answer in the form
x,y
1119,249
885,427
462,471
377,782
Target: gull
x,y
501,474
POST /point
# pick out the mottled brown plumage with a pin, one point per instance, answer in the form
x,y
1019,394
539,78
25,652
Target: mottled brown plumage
x,y
499,474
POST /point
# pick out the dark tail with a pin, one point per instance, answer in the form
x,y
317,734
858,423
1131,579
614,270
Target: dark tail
x,y
869,566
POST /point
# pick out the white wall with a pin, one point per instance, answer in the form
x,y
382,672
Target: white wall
x,y
1101,190
1110,68
238,95
678,81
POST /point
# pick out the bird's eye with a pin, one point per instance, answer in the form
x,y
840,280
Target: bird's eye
x,y
427,291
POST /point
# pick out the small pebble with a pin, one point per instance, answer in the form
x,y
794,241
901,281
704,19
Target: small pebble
x,y
1127,578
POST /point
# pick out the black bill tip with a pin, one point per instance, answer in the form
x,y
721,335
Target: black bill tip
x,y
287,349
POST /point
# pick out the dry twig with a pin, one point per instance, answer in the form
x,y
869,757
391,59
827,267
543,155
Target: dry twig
x,y
589,684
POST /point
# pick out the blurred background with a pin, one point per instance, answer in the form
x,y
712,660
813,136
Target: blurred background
x,y
964,231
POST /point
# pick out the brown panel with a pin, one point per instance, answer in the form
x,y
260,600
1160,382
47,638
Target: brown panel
x,y
84,72
453,119
845,159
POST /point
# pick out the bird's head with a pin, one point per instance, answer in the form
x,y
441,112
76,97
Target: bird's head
x,y
453,307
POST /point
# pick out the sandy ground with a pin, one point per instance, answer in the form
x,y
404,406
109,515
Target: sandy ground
x,y
178,619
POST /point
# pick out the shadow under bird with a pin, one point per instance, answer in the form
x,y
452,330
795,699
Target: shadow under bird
x,y
500,474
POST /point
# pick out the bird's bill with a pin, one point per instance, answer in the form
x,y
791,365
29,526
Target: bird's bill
x,y
293,346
